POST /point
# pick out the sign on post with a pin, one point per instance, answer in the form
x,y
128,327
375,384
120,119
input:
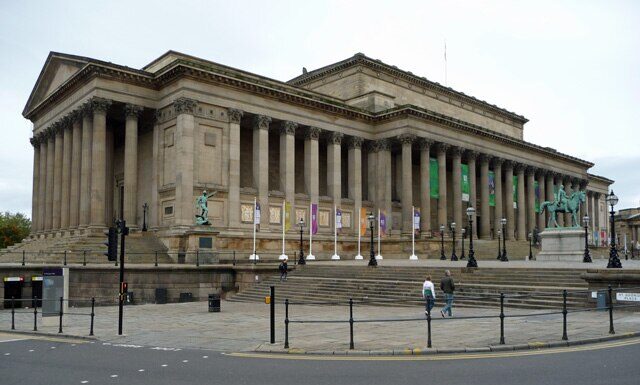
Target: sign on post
x,y
629,297
55,284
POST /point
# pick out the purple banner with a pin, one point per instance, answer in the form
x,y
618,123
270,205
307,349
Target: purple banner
x,y
314,218
383,224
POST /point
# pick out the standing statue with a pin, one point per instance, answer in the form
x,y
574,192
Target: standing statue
x,y
562,204
201,203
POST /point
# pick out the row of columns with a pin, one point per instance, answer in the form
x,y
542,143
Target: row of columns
x,y
70,169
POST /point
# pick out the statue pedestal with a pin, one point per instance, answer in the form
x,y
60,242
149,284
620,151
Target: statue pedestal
x,y
561,244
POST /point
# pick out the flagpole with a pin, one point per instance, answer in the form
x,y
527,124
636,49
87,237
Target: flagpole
x,y
254,256
335,255
310,257
284,224
359,256
413,256
379,256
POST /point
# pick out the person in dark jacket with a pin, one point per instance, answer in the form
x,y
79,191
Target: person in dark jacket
x,y
283,270
447,285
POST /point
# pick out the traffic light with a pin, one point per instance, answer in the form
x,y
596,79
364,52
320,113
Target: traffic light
x,y
112,244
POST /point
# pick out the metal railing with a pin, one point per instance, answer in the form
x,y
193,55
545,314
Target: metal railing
x,y
501,316
37,303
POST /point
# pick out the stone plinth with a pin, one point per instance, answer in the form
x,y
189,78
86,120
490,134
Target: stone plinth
x,y
561,244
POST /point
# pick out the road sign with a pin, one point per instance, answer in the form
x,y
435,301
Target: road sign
x,y
630,297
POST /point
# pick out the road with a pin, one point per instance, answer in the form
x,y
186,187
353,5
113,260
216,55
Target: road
x,y
29,360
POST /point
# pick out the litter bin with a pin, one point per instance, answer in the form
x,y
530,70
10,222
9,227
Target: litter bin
x,y
186,297
214,303
602,300
161,295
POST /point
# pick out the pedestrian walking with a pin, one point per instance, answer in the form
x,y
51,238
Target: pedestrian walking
x,y
429,295
283,270
447,285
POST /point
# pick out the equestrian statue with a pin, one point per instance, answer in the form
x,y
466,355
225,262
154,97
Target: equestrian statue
x,y
564,204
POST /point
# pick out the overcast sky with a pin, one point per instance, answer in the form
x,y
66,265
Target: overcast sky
x,y
571,68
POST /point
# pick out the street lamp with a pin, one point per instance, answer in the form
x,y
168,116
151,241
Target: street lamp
x,y
463,232
499,244
372,256
442,256
301,260
587,256
472,260
530,240
614,261
145,207
503,257
454,257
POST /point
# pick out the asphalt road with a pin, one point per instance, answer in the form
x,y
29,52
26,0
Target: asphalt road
x,y
42,361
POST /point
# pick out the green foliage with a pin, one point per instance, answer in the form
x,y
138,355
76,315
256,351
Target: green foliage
x,y
13,228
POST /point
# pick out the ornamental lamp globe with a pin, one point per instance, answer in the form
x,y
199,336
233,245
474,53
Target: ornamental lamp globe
x,y
585,220
612,199
470,211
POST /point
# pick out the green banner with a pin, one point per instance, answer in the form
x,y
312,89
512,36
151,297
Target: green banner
x,y
465,182
433,178
536,189
492,189
515,191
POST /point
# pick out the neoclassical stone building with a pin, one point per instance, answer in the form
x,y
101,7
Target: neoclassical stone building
x,y
358,133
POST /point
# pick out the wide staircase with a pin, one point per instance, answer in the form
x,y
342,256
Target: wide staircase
x,y
528,288
139,248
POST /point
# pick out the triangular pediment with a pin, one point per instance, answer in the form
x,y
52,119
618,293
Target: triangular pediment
x,y
57,69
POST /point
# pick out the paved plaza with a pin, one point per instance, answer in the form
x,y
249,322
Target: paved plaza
x,y
245,327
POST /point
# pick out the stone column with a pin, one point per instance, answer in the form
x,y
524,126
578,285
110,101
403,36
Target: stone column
x,y
592,212
99,163
456,175
425,186
35,189
154,214
485,225
67,140
85,168
596,212
42,186
566,182
407,183
287,166
76,164
354,157
132,112
541,189
235,116
383,178
334,167
549,185
531,199
522,204
442,184
311,165
57,177
508,205
261,165
50,179
473,197
372,170
499,208
185,154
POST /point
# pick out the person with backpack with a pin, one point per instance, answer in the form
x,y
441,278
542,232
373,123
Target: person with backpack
x,y
447,285
283,270
429,295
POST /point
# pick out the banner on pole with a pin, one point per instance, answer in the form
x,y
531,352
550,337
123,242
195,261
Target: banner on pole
x,y
492,189
256,215
465,182
433,178
536,189
287,216
515,191
383,224
416,219
314,218
363,220
338,219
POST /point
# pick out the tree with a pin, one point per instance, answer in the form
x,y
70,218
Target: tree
x,y
13,228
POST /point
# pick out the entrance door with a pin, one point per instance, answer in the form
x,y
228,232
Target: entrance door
x,y
36,290
13,289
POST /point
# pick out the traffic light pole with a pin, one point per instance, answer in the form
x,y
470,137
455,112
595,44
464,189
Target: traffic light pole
x,y
124,231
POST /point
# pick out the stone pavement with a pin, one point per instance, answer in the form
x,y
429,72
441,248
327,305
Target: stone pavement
x,y
245,327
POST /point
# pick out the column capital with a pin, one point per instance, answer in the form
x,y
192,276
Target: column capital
x,y
565,178
76,115
355,142
86,109
575,181
66,122
35,141
442,147
531,169
184,105
288,128
519,167
56,128
100,105
132,110
380,145
334,137
584,183
456,151
471,154
235,115
406,138
424,143
496,161
541,172
483,158
508,164
596,195
261,122
312,133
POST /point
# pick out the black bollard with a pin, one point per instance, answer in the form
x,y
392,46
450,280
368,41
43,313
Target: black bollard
x,y
564,315
35,314
84,258
611,331
156,259
13,314
61,313
351,345
93,305
286,323
65,257
501,318
429,328
197,258
272,314
22,257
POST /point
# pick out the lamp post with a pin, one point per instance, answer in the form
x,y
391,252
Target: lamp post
x,y
499,245
530,242
145,207
442,256
301,260
587,256
503,257
454,257
372,255
472,260
614,261
463,233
